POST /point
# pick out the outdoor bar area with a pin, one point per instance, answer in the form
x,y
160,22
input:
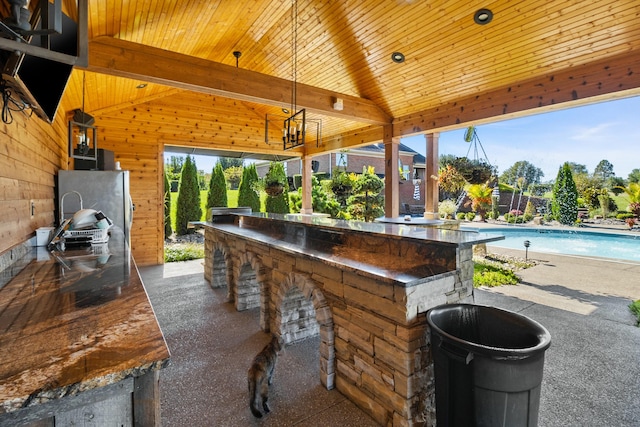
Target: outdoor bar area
x,y
364,288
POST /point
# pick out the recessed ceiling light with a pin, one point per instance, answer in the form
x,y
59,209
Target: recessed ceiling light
x,y
483,16
141,86
284,110
397,57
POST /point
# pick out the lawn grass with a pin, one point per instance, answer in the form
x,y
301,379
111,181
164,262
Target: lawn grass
x,y
232,202
183,252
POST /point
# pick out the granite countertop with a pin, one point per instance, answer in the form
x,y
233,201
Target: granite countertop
x,y
460,238
72,321
403,268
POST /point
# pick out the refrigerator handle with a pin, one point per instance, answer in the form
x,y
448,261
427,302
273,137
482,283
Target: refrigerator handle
x,y
132,207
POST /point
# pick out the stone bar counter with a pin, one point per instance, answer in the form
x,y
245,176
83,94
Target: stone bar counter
x,y
79,341
364,288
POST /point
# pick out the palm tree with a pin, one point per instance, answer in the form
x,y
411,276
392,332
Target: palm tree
x,y
480,198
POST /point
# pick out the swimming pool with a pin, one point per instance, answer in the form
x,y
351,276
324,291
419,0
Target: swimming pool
x,y
571,242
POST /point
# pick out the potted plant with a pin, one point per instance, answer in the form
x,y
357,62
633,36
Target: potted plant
x,y
473,171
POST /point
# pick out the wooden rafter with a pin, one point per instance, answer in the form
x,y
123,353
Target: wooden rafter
x,y
132,60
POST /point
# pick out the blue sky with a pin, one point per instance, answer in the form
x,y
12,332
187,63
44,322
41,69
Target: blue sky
x,y
585,135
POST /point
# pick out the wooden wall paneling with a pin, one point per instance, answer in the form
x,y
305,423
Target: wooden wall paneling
x,y
138,153
30,156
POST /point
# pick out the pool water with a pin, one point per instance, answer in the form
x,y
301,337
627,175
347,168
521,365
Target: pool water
x,y
569,242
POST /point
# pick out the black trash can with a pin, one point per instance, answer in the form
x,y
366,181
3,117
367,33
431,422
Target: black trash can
x,y
488,365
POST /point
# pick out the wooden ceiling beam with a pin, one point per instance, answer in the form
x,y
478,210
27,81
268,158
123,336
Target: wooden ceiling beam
x,y
136,61
604,79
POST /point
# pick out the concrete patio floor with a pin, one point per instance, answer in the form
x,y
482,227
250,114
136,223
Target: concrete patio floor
x,y
591,370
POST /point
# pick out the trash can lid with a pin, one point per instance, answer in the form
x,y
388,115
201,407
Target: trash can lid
x,y
489,331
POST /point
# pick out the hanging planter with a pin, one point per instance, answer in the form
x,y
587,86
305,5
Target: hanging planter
x,y
273,189
473,171
341,190
476,170
275,181
341,184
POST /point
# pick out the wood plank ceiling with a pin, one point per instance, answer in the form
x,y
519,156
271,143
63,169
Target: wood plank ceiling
x,y
533,55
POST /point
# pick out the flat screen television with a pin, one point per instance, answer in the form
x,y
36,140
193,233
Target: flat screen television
x,y
38,82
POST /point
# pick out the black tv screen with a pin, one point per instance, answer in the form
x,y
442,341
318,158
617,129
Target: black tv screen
x,y
41,82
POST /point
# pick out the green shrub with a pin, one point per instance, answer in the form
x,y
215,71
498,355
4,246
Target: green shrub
x,y
529,210
367,201
183,252
217,196
490,275
233,175
495,212
461,216
188,205
470,216
565,197
625,215
247,194
515,219
280,203
321,202
635,309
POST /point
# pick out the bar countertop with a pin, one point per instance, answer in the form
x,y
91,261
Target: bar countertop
x,y
346,245
73,321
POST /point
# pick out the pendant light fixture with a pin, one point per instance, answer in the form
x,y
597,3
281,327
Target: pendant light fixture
x,y
295,127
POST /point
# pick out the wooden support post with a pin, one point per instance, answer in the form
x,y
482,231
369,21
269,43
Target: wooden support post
x,y
391,173
430,184
307,198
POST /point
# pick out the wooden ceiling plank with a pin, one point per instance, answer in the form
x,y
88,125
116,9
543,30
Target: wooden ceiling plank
x,y
457,59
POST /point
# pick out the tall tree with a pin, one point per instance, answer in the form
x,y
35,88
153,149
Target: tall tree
x,y
217,196
604,170
229,162
167,207
280,203
634,176
565,197
175,163
367,201
446,159
188,206
247,194
522,169
577,168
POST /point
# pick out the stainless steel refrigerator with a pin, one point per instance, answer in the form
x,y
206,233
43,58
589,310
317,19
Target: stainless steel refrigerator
x,y
105,191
